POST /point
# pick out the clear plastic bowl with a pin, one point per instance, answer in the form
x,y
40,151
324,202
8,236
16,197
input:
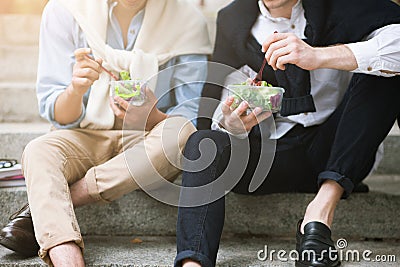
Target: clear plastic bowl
x,y
266,97
130,90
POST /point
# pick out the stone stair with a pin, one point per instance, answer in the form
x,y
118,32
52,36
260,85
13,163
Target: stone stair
x,y
18,64
366,220
363,215
154,251
21,103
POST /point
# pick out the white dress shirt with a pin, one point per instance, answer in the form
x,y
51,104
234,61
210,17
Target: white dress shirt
x,y
379,51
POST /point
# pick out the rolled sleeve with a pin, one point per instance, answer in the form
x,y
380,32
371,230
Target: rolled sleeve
x,y
379,52
217,118
47,100
50,103
58,40
366,54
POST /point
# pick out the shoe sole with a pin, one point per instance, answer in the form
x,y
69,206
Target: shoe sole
x,y
11,245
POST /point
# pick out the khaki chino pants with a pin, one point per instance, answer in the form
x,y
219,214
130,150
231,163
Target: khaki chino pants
x,y
51,163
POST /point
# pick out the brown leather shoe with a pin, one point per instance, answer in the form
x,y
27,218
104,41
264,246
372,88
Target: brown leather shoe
x,y
18,235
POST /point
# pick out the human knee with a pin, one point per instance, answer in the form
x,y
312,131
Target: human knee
x,y
35,150
33,147
203,140
41,153
185,129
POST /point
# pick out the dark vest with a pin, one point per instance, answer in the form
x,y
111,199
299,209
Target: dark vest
x,y
329,22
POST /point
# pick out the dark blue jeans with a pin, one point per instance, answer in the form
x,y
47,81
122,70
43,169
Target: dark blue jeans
x,y
341,149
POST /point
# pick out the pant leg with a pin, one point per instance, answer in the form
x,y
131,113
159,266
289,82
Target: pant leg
x,y
343,148
144,161
199,228
51,163
291,169
371,106
300,155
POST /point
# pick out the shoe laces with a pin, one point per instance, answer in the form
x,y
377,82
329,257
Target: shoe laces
x,y
15,214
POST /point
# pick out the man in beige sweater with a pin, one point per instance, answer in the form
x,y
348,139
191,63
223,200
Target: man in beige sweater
x,y
84,159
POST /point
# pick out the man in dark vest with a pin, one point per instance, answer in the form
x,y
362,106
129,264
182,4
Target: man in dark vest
x,y
338,61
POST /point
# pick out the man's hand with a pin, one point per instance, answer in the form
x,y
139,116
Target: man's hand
x,y
287,48
85,71
238,121
68,106
143,117
284,48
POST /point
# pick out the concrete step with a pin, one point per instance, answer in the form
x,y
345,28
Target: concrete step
x,y
391,159
365,215
18,63
21,103
20,29
157,251
15,136
19,47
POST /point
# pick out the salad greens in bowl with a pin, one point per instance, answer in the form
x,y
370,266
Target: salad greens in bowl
x,y
261,94
128,89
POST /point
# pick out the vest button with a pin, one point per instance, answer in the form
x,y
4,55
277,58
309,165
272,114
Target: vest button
x,y
369,68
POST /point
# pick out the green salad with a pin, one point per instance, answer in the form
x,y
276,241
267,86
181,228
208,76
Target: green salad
x,y
260,94
127,88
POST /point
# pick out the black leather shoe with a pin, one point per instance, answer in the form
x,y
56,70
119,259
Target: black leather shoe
x,y
361,188
315,246
18,235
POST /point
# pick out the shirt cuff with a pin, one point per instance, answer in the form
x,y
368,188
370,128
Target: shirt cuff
x,y
51,101
217,127
366,54
75,124
368,59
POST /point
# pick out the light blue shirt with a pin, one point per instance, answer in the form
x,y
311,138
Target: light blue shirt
x,y
60,36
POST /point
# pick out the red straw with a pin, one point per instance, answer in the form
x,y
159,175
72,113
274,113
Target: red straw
x,y
259,74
